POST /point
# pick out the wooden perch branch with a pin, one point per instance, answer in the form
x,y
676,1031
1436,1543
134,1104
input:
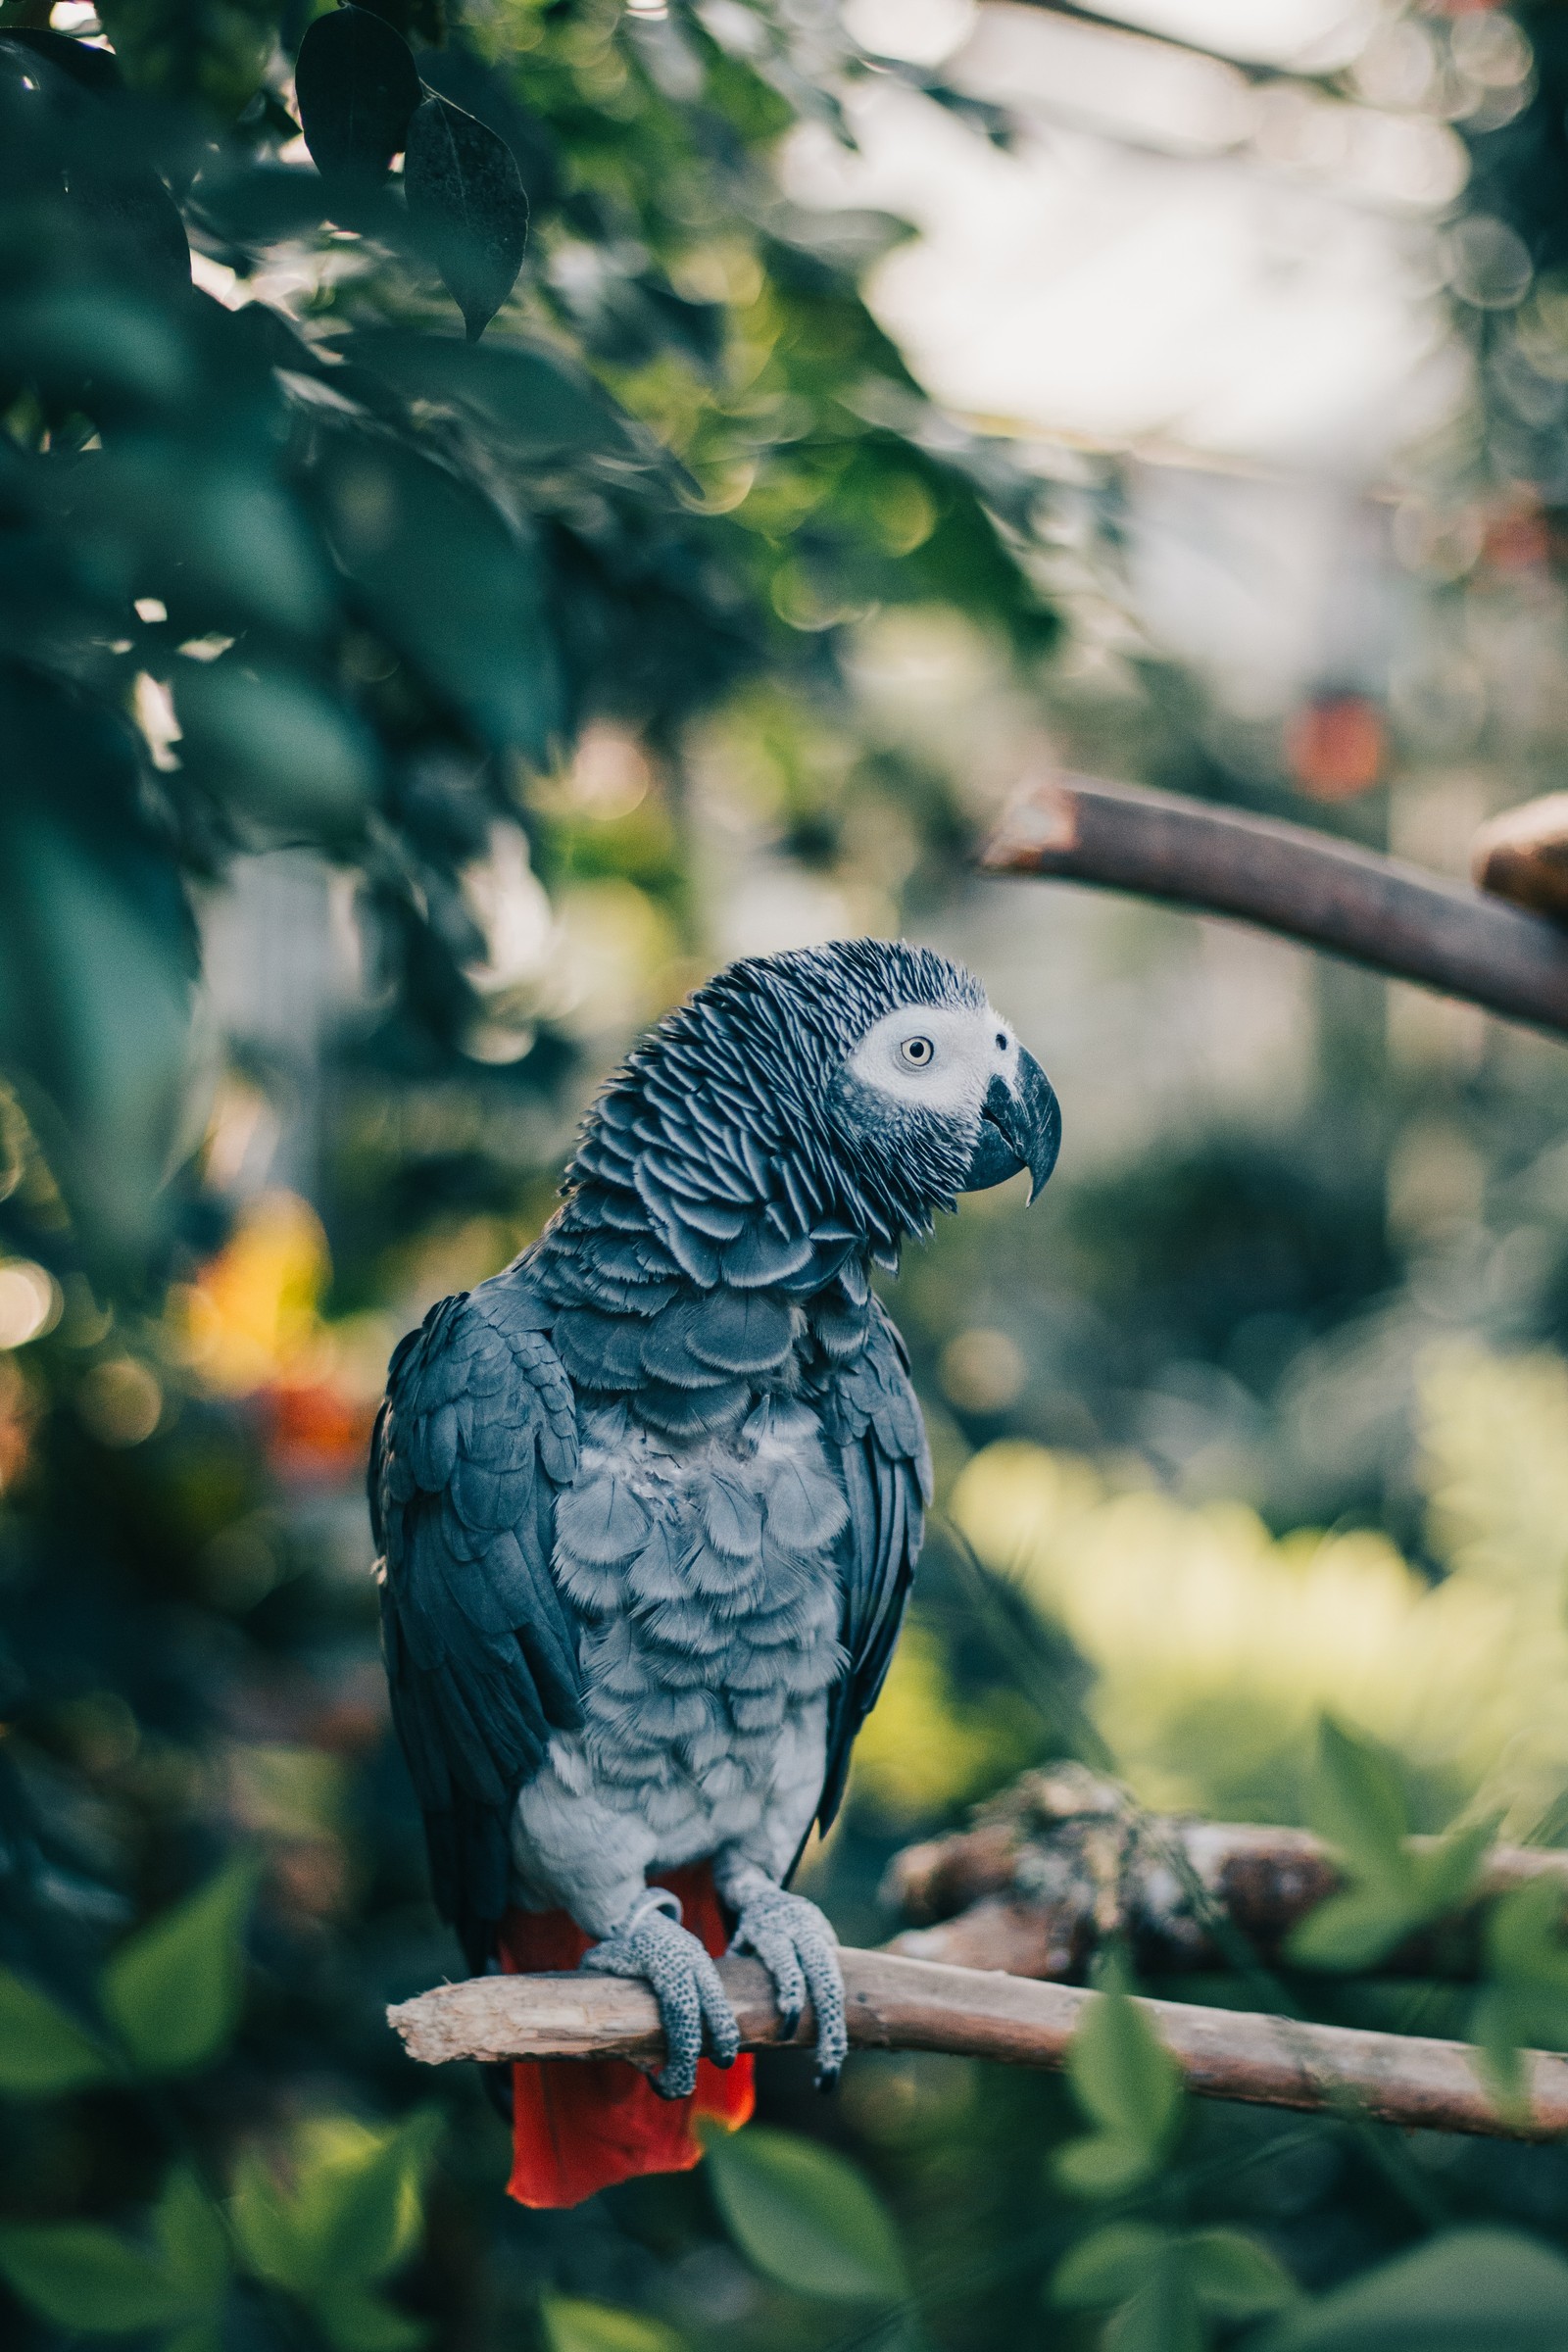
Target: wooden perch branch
x,y
1523,855
1290,879
1063,1862
901,2004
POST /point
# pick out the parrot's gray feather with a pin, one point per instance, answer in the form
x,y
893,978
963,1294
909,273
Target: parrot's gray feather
x,y
481,1655
650,1501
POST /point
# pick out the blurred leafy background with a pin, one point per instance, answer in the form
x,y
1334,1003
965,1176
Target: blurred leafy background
x,y
891,403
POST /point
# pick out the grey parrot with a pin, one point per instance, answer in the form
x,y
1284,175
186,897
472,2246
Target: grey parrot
x,y
649,1502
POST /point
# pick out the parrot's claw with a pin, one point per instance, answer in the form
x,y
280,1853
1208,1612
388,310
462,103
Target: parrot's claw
x,y
691,2002
800,1951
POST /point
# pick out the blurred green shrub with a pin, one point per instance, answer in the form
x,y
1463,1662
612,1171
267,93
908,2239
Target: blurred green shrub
x,y
283,560
1217,1648
344,2212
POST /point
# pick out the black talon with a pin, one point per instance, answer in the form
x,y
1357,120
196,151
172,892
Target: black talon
x,y
683,1980
797,1947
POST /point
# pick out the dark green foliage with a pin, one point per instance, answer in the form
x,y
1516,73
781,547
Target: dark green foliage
x,y
99,2282
466,206
1524,2004
44,2050
1473,2291
375,552
172,1994
170,1999
348,2214
1128,2087
357,88
1357,1806
805,2217
1168,2287
96,957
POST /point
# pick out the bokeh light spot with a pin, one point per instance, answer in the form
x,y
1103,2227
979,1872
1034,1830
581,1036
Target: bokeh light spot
x,y
30,1303
982,1371
121,1402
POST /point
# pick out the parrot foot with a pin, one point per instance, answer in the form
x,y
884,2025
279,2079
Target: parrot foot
x,y
652,1944
800,1951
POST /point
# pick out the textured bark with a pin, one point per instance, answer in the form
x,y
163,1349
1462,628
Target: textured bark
x,y
1523,855
1310,887
1062,1861
901,2004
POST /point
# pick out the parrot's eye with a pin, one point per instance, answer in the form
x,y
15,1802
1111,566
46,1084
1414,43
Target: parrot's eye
x,y
918,1052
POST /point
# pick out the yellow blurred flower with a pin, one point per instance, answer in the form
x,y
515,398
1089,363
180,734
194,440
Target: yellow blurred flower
x,y
251,1312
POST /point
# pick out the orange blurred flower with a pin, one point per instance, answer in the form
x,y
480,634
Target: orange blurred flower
x,y
1336,746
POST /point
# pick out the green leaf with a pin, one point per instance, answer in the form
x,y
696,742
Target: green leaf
x,y
272,2243
199,2336
1105,2164
119,338
1352,1929
1357,1806
1500,2027
173,1991
1524,1938
1234,2277
357,88
1226,2275
1123,2075
367,2187
191,2238
80,2276
466,206
284,757
94,69
1162,2317
570,2326
42,2049
1126,2082
232,542
357,2321
351,2212
1108,2266
1446,1877
805,2217
452,585
1469,2290
1525,2003
133,211
542,403
95,963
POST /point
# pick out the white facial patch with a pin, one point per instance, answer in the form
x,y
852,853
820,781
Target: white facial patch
x,y
939,1057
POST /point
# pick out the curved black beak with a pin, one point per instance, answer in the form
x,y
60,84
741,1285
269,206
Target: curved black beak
x,y
1020,1127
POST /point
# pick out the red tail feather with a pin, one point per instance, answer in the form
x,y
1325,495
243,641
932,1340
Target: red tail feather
x,y
581,2124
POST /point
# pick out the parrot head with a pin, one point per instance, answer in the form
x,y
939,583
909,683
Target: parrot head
x,y
866,1077
936,1080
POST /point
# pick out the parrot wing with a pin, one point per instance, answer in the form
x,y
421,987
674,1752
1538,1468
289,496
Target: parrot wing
x,y
477,1435
873,1420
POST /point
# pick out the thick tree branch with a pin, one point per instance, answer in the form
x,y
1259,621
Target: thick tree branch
x,y
1288,879
901,2004
1063,1862
1523,855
